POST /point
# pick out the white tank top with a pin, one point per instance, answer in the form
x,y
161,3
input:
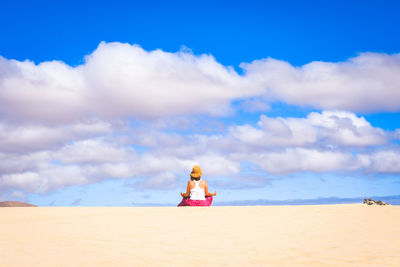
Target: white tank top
x,y
197,193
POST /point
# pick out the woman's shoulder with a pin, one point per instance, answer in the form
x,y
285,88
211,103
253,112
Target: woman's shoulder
x,y
203,181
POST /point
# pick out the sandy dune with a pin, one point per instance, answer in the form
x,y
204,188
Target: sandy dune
x,y
332,235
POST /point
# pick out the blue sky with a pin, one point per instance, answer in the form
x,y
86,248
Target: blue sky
x,y
112,102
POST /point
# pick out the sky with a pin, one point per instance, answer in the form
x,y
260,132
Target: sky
x,y
111,103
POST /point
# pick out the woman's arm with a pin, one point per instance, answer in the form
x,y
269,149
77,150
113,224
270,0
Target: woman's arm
x,y
208,194
187,191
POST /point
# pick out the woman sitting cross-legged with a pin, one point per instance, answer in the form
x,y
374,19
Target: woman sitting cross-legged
x,y
197,191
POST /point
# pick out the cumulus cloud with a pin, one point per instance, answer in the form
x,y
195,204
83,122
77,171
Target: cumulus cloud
x,y
386,161
132,81
330,141
125,81
45,179
329,128
366,83
129,113
118,81
93,151
92,160
31,137
300,159
49,92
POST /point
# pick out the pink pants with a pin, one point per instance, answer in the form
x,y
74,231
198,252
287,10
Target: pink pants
x,y
193,203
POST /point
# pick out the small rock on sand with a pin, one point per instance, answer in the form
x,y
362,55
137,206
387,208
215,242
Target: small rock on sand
x,y
370,201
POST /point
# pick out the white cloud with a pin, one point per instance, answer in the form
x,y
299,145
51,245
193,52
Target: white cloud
x,y
119,81
50,92
131,81
25,180
165,181
386,161
366,83
25,138
16,163
120,115
125,81
217,165
300,159
93,151
321,142
346,129
329,128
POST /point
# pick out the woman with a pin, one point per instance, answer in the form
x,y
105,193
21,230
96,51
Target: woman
x,y
197,191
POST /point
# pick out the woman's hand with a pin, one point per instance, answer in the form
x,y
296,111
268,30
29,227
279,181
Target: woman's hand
x,y
182,194
215,193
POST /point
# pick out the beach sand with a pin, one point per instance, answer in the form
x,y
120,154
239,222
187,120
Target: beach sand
x,y
320,235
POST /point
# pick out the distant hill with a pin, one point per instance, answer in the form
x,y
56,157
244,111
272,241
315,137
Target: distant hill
x,y
15,204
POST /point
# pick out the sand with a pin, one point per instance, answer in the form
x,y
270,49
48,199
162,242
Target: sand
x,y
326,235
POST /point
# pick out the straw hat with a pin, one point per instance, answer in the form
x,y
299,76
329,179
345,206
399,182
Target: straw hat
x,y
196,172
